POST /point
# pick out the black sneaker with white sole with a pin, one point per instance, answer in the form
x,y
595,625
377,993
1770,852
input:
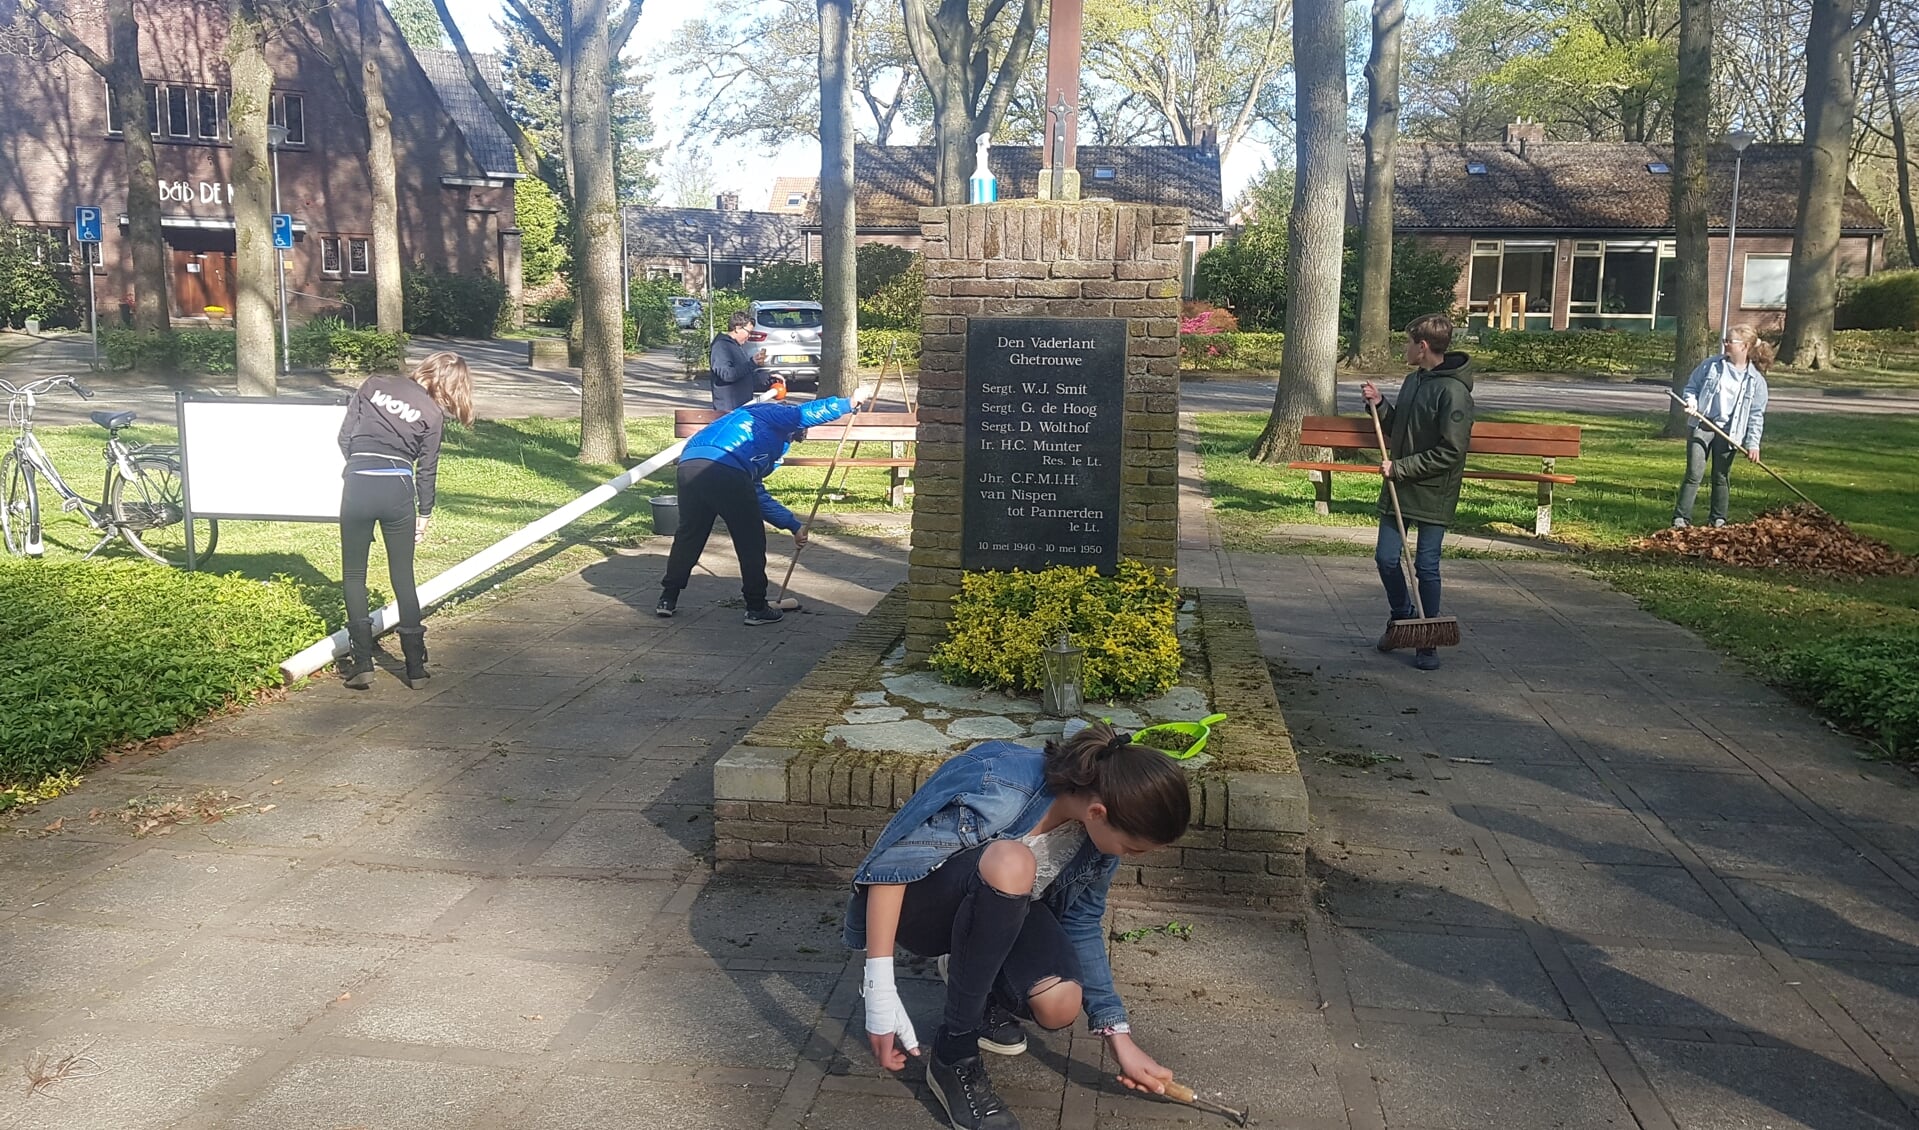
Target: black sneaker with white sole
x,y
668,605
967,1095
764,615
1001,1032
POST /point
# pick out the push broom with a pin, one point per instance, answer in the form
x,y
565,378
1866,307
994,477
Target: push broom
x,y
791,604
1424,631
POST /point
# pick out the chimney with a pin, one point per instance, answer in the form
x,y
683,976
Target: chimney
x,y
1209,139
1522,134
727,202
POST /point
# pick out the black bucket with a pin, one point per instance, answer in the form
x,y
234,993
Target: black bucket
x,y
666,514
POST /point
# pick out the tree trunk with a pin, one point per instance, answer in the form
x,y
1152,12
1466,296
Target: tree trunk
x,y
953,141
968,97
255,333
388,295
1812,276
840,340
127,87
1692,115
1372,338
603,362
1314,230
1901,153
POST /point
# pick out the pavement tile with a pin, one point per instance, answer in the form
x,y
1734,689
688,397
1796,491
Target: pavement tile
x,y
303,820
1397,827
390,769
1213,1051
175,888
54,965
460,998
1623,746
1197,969
1454,1078
731,920
1697,990
1715,1086
1830,914
544,778
1882,997
1793,849
571,1102
1592,835
353,899
624,841
1685,795
31,864
597,915
1532,741
131,1083
455,725
269,987
1521,783
854,1111
1427,887
328,1092
498,691
1476,976
737,1019
454,828
1626,901
552,659
224,758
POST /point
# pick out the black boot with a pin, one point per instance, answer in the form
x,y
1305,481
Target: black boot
x,y
413,647
356,667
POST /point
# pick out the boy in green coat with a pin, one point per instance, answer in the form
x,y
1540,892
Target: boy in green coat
x,y
1427,433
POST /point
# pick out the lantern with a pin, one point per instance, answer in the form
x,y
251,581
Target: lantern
x,y
1065,668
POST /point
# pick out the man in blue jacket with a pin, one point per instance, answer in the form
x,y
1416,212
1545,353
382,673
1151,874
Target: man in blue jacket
x,y
721,475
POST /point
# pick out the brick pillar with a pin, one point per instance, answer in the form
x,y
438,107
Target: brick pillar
x,y
1042,259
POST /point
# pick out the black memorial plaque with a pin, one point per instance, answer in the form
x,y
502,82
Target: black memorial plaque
x,y
1045,401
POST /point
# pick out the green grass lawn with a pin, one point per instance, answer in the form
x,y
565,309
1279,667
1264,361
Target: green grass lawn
x,y
1861,468
494,478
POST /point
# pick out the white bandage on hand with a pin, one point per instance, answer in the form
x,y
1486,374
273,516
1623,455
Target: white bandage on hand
x,y
885,1012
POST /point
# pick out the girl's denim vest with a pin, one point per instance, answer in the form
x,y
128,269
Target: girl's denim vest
x,y
995,791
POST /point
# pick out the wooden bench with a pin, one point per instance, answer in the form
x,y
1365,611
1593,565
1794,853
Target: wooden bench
x,y
895,429
1550,442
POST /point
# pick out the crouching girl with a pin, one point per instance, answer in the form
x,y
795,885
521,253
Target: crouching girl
x,y
999,866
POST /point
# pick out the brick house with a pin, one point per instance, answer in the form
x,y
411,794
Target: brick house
x,y
1583,230
61,147
680,243
893,182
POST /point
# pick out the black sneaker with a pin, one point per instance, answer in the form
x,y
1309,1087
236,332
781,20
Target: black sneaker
x,y
967,1095
766,614
1426,659
669,603
1001,1033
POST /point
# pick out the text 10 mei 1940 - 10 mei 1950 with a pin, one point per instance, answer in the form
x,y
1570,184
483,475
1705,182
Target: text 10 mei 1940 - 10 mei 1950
x,y
1045,401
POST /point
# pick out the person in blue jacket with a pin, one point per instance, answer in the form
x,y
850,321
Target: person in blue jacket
x,y
720,476
999,865
1729,389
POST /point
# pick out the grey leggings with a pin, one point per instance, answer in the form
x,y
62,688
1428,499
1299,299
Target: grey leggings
x,y
1703,445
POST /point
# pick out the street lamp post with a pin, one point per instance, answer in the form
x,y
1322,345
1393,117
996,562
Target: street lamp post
x,y
1738,140
276,140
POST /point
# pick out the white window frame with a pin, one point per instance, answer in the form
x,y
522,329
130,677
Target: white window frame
x,y
365,249
277,114
330,249
1745,280
201,96
185,133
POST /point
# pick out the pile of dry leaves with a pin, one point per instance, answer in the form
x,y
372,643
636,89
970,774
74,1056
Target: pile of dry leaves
x,y
1798,537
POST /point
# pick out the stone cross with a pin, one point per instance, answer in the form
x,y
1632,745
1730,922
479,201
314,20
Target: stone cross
x,y
1063,37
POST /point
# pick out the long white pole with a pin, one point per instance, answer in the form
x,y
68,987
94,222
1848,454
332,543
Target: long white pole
x,y
1732,239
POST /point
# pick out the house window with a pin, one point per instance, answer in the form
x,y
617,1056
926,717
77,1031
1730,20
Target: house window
x,y
1527,267
1628,275
179,121
153,108
795,199
1483,281
115,122
1104,172
1658,167
356,256
330,255
1475,168
207,108
289,110
1764,283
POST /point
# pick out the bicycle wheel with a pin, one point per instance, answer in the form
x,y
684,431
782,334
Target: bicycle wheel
x,y
19,505
148,508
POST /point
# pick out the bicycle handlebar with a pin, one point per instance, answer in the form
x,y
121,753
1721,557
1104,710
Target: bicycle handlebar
x,y
44,384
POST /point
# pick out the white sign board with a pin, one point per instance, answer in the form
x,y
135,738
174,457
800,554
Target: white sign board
x,y
270,458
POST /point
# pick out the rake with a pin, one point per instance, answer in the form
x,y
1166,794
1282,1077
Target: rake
x,y
1423,631
1737,446
787,603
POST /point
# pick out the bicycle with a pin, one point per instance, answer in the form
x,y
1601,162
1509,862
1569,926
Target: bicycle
x,y
142,497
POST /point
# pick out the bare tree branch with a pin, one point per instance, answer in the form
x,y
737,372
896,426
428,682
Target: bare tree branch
x,y
62,30
534,26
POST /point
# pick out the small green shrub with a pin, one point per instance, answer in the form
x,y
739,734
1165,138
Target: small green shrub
x,y
36,279
554,312
905,345
785,282
1870,686
1231,351
1885,301
93,654
896,304
1002,622
1877,349
1572,351
439,304
877,265
169,351
328,343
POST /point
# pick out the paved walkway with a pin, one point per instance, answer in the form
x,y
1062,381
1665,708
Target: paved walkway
x,y
1585,876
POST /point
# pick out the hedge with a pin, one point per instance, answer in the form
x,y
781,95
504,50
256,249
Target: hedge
x,y
94,654
443,305
1870,686
1572,351
1885,301
324,342
904,343
1230,351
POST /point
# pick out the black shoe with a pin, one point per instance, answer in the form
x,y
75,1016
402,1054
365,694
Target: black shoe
x,y
765,614
967,1095
669,603
1001,1033
356,666
1426,659
413,648
1386,637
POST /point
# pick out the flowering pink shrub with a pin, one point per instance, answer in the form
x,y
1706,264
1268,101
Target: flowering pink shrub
x,y
1201,318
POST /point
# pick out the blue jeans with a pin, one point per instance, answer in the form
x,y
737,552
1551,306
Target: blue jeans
x,y
1425,567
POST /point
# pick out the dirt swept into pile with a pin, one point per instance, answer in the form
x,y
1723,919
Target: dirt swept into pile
x,y
1798,537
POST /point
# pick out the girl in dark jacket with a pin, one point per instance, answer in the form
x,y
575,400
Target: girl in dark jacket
x,y
999,865
391,440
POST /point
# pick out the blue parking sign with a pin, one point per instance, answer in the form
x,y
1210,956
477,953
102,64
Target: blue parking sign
x,y
86,223
282,230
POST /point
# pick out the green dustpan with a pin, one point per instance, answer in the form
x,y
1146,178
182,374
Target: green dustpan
x,y
1195,732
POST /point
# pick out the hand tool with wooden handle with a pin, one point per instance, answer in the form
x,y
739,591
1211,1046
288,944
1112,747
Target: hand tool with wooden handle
x,y
1181,1093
